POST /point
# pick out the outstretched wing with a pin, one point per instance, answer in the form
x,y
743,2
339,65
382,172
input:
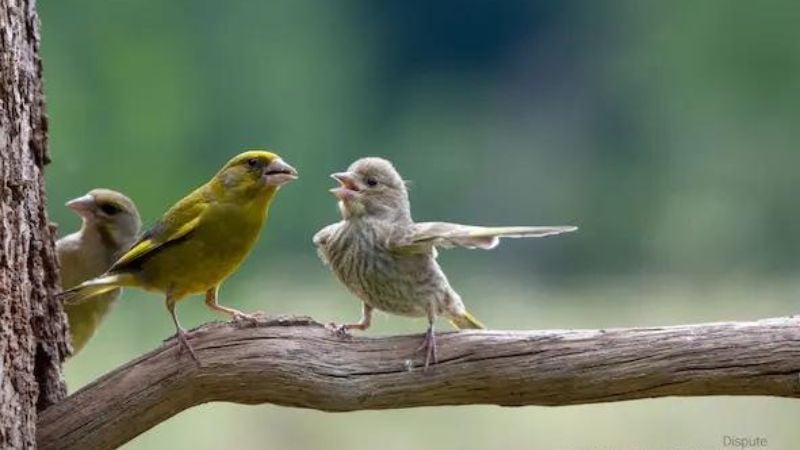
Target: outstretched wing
x,y
176,224
425,235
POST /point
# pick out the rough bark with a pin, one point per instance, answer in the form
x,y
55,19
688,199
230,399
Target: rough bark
x,y
32,330
297,362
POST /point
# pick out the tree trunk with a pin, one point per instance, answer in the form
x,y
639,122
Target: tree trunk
x,y
33,339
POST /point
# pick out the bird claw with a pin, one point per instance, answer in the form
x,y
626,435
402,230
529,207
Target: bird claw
x,y
184,346
429,346
341,331
251,319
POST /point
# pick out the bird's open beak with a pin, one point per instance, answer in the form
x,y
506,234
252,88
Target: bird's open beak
x,y
83,206
348,185
278,173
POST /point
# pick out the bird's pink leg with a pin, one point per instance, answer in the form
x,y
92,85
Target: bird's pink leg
x,y
429,342
235,314
366,320
180,333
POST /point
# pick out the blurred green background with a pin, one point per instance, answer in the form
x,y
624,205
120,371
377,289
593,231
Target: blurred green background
x,y
667,130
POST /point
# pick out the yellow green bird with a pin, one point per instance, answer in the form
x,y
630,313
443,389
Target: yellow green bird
x,y
110,224
201,240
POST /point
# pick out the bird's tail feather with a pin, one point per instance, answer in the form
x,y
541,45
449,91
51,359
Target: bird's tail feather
x,y
93,287
466,321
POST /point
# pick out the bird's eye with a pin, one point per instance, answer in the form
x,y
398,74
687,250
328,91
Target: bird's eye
x,y
253,163
372,182
110,208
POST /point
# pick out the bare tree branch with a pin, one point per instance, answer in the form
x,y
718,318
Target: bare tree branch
x,y
297,362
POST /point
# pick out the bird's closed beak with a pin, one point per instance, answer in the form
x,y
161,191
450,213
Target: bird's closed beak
x,y
83,206
348,185
278,173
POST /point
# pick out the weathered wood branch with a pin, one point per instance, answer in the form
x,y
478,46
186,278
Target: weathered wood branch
x,y
298,362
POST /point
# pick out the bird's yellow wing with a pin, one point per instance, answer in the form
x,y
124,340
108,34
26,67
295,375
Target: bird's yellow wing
x,y
425,235
175,224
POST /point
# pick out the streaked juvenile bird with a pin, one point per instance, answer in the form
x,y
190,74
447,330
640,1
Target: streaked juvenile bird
x,y
389,261
201,240
110,225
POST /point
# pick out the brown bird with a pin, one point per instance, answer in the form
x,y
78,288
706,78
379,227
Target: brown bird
x,y
110,225
389,261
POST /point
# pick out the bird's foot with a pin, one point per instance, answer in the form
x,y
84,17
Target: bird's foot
x,y
183,345
250,319
341,331
429,347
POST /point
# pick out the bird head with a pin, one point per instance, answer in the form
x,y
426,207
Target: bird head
x,y
372,187
254,172
113,215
